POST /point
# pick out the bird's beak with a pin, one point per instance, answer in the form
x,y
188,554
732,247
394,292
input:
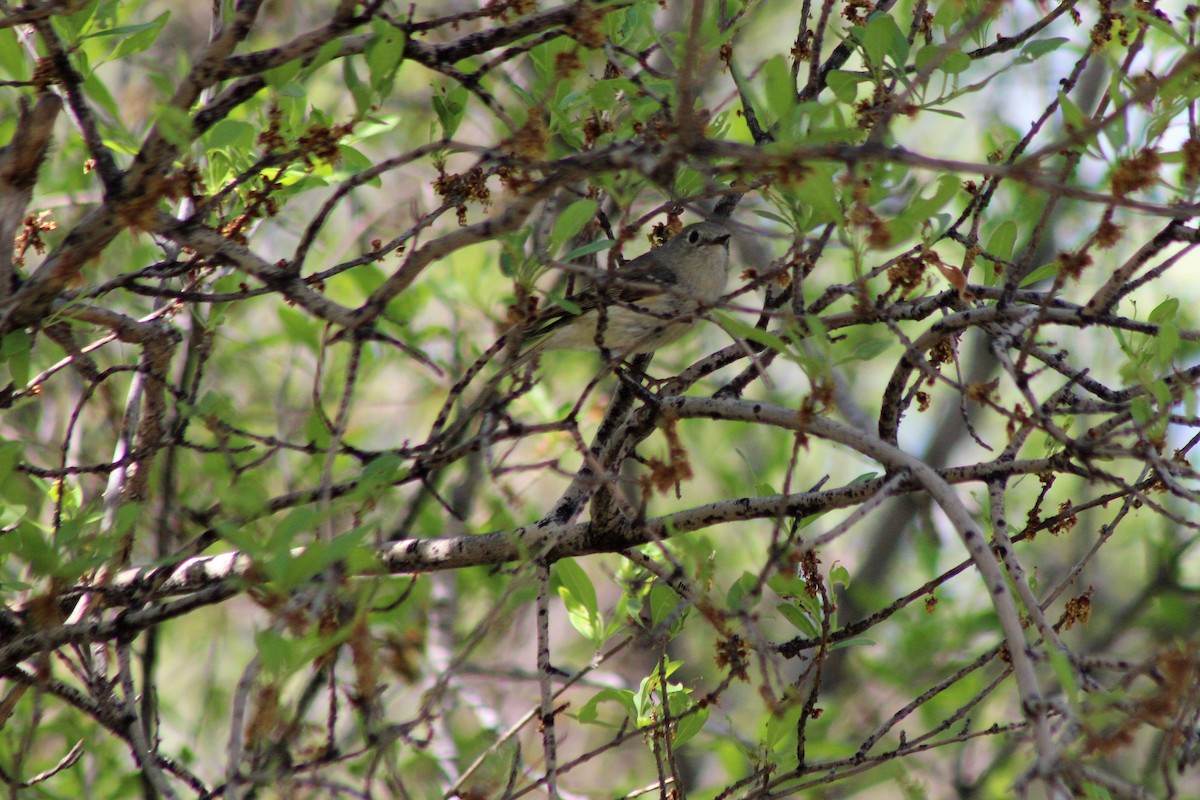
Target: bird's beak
x,y
722,240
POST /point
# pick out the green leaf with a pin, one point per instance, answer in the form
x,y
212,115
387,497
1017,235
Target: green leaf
x,y
379,473
780,86
384,54
949,60
1003,240
358,89
739,590
300,328
663,602
290,571
1065,673
571,221
690,724
882,37
844,85
574,581
589,623
15,350
1041,273
589,248
1139,409
737,328
96,89
622,697
1166,311
867,349
12,56
29,544
329,51
772,216
1167,343
922,208
450,107
10,456
563,303
353,161
175,125
799,619
140,38
231,133
781,725
284,74
1073,117
818,189
838,574
274,651
579,597
17,490
1040,47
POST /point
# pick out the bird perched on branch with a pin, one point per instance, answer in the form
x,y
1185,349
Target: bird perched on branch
x,y
644,304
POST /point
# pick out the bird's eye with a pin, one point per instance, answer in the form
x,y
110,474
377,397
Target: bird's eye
x,y
693,237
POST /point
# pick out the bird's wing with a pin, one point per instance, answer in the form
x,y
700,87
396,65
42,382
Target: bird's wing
x,y
630,283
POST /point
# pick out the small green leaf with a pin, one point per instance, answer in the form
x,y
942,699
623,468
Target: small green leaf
x,y
329,51
379,473
1003,240
799,619
882,37
175,125
274,651
12,56
141,36
622,697
818,190
742,330
1041,273
450,107
771,216
29,544
563,303
230,133
579,596
15,350
282,75
1167,343
572,579
663,602
384,53
1139,409
571,221
10,456
949,60
1040,47
690,724
1073,117
358,89
739,590
1065,673
292,570
867,349
781,725
589,248
780,86
844,85
1166,311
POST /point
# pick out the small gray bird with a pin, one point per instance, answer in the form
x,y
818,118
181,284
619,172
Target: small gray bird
x,y
645,304
649,302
